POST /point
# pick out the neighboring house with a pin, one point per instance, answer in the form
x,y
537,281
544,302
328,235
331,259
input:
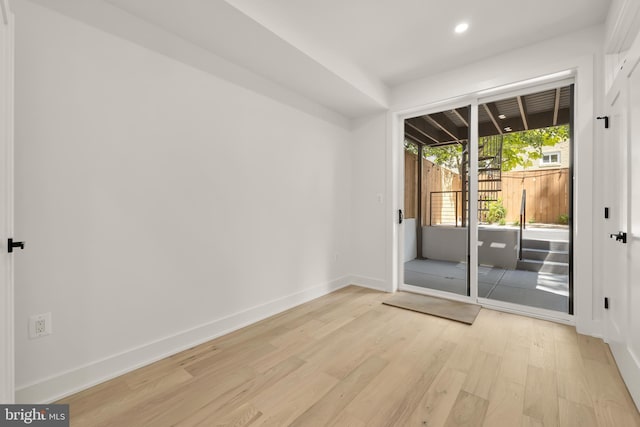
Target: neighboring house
x,y
554,157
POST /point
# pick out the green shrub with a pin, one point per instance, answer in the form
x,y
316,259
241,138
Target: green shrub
x,y
563,219
497,212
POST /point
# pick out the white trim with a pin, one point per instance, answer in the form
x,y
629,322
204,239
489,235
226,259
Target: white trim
x,y
473,200
549,154
506,307
623,27
7,359
629,366
393,171
4,5
522,86
371,283
66,383
524,90
538,313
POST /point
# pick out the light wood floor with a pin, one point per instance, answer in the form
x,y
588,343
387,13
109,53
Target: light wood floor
x,y
347,360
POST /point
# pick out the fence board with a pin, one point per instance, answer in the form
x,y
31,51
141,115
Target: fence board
x,y
547,194
436,178
547,191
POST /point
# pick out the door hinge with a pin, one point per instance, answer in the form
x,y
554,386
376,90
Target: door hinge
x,y
606,303
400,216
606,121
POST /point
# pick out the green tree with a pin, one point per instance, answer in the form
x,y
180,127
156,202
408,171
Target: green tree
x,y
518,148
522,148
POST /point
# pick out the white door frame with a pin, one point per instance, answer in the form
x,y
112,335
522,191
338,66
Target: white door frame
x,y
7,355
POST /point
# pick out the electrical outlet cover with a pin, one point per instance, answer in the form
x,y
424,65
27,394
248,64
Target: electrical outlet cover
x,y
39,325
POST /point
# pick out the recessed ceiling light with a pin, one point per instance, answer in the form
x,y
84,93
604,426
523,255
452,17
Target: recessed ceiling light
x,y
461,27
502,117
508,129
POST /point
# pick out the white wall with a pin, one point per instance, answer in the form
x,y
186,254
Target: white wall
x,y
369,260
161,205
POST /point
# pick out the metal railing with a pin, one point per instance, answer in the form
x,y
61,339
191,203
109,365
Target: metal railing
x,y
445,208
523,220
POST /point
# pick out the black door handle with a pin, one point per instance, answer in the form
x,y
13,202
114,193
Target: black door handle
x,y
620,237
11,244
400,216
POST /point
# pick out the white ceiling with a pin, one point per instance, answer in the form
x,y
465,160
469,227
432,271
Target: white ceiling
x,y
400,40
347,54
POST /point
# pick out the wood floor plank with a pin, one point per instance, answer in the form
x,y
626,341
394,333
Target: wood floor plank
x,y
576,415
401,413
325,409
482,374
226,403
541,396
347,360
506,404
282,409
572,382
610,403
593,348
515,363
543,349
434,407
467,411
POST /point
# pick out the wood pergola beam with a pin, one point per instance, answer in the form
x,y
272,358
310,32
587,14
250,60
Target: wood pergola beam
x,y
535,121
445,124
556,107
492,112
523,112
460,116
422,130
414,138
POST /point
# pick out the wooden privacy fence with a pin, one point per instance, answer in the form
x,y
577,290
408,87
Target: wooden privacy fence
x,y
435,179
547,193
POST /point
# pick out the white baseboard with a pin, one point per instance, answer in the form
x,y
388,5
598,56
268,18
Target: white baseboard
x,y
589,327
64,384
629,367
368,282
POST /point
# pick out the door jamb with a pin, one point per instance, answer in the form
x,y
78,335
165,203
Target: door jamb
x,y
7,358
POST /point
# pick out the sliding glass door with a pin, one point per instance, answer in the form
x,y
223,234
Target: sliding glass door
x,y
496,176
436,160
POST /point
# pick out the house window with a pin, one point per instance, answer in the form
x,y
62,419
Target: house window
x,y
550,159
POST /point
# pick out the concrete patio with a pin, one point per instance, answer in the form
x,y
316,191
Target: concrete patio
x,y
540,279
535,289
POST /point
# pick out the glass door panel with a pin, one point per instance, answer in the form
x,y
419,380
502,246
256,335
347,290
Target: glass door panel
x,y
524,199
436,201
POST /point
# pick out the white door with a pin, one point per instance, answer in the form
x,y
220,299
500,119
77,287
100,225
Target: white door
x,y
6,204
634,228
623,320
615,181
